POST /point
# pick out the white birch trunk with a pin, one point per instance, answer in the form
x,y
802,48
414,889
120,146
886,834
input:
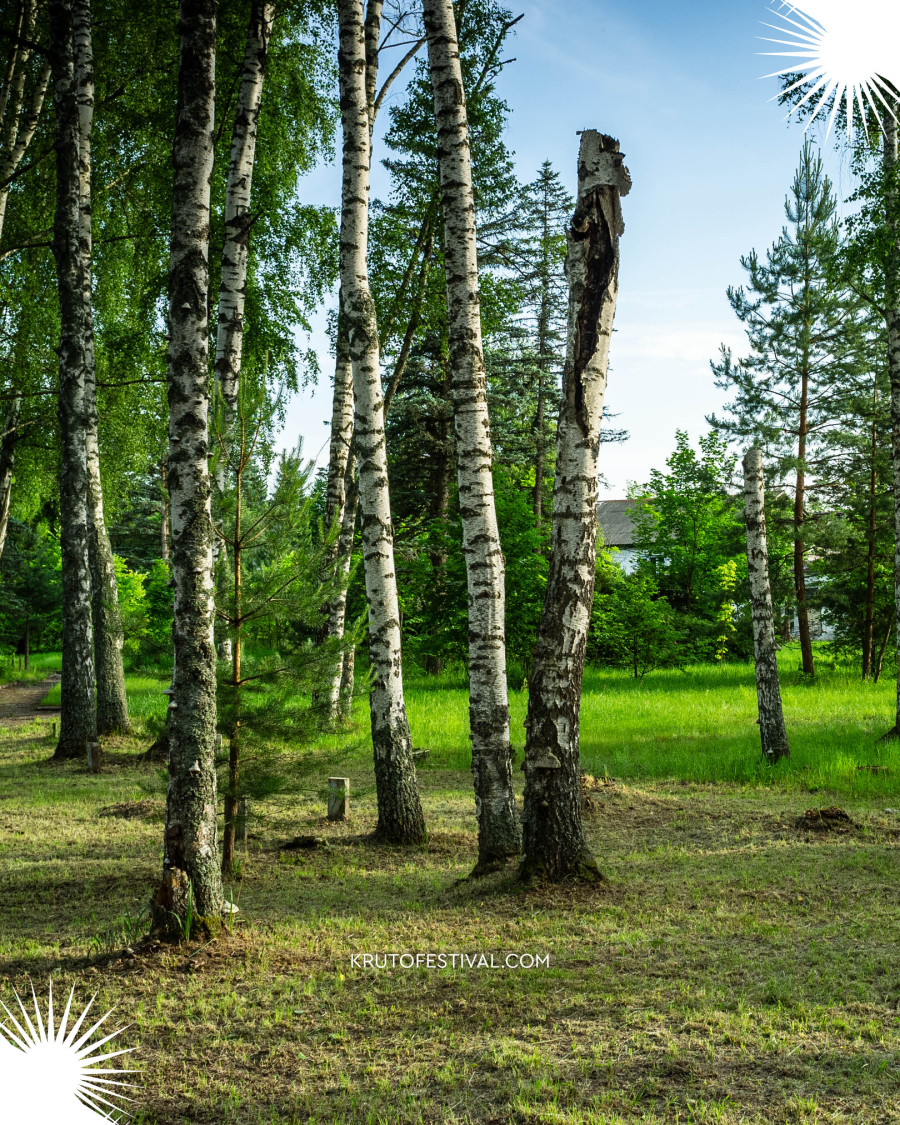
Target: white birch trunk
x,y
7,464
112,701
337,611
78,719
555,845
499,834
190,846
17,129
236,245
768,689
400,816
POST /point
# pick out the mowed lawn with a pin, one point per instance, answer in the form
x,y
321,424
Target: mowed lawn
x,y
735,966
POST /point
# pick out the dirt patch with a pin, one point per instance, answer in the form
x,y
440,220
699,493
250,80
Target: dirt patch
x,y
831,819
135,810
20,699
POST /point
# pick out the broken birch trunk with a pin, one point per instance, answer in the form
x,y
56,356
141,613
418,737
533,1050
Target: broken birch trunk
x,y
236,244
109,637
400,817
768,688
554,841
499,834
78,714
190,856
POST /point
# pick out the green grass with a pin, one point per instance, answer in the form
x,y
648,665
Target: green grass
x,y
733,968
41,665
697,725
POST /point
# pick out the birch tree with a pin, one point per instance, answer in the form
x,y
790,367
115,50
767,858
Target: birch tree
x,y
190,857
554,840
78,719
7,463
768,689
236,244
499,835
19,113
400,818
112,702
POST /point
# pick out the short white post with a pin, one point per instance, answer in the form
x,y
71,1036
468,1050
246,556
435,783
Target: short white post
x,y
338,798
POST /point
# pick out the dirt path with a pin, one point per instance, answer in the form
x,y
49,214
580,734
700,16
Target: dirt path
x,y
19,700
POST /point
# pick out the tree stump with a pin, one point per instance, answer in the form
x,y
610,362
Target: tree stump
x,y
339,798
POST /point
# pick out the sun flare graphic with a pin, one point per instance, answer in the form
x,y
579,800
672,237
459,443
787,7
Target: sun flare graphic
x,y
848,51
50,1077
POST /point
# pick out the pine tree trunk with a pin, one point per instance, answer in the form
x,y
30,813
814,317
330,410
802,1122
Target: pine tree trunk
x,y
78,718
892,302
499,833
555,844
190,848
7,463
109,638
768,688
799,546
400,818
869,621
18,129
236,245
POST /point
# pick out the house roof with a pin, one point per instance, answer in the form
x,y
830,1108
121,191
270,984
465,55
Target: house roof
x,y
615,521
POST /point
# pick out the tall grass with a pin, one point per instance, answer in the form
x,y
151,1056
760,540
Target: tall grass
x,y
696,725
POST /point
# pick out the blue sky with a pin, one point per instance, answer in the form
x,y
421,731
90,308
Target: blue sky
x,y
711,160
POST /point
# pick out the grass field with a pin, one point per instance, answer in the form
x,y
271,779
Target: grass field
x,y
734,967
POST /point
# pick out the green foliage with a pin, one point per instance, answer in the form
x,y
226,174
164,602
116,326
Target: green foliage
x,y
689,532
30,588
632,626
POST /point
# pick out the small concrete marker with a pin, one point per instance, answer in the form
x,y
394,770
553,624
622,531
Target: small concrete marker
x,y
93,756
338,798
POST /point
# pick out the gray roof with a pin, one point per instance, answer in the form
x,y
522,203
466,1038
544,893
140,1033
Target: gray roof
x,y
616,524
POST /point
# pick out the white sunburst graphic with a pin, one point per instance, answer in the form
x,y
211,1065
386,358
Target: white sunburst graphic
x,y
50,1077
847,50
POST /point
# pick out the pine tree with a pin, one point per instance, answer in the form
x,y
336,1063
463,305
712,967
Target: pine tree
x,y
802,330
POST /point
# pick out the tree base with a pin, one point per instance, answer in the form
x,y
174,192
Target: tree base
x,y
70,750
490,865
159,751
890,736
534,870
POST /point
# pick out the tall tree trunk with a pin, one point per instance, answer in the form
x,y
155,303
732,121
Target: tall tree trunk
x,y
799,546
109,638
400,817
768,688
340,475
78,719
190,858
234,737
7,463
236,245
164,533
868,623
499,833
892,303
17,129
555,844
337,610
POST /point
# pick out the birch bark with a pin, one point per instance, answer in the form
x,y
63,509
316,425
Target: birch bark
x,y
78,719
400,817
190,858
499,834
17,129
554,841
768,689
112,702
236,246
7,464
